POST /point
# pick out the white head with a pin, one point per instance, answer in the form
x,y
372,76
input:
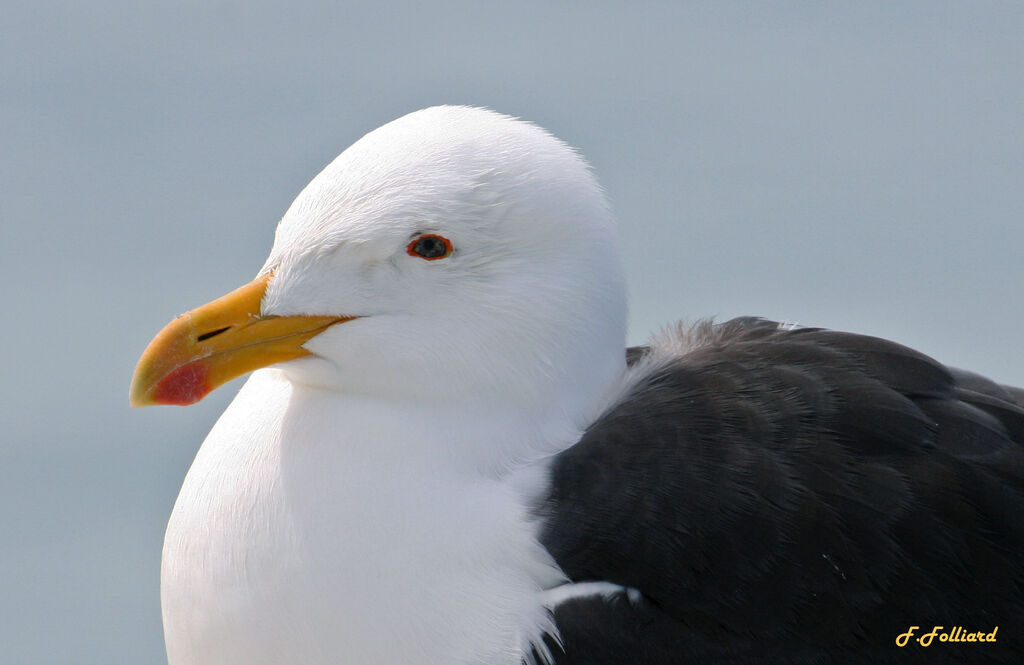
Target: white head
x,y
344,498
530,301
519,301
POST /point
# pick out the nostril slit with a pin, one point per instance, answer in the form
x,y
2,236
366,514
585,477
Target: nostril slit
x,y
213,333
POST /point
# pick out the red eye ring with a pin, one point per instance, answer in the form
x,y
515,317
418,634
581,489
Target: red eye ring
x,y
430,247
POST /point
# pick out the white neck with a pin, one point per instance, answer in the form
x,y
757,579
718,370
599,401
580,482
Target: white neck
x,y
319,529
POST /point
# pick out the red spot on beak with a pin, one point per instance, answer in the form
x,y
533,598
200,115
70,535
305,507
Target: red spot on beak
x,y
186,385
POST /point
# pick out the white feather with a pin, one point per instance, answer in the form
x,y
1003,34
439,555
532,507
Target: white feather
x,y
370,503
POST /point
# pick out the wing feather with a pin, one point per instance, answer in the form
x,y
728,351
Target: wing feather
x,y
806,493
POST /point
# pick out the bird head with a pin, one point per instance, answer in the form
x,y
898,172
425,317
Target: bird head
x,y
454,253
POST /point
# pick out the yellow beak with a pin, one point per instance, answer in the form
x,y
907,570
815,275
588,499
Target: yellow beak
x,y
217,342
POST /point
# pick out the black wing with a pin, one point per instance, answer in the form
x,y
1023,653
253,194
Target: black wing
x,y
795,496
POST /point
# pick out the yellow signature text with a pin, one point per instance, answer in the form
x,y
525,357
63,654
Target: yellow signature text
x,y
956,634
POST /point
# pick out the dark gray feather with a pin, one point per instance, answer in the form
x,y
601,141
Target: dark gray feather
x,y
794,496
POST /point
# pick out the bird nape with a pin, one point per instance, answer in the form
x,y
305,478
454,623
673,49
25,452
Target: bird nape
x,y
445,453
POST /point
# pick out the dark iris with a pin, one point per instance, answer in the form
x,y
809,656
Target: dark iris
x,y
430,247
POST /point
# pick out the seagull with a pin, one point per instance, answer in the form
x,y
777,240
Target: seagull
x,y
446,454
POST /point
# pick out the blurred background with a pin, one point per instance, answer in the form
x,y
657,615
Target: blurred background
x,y
859,167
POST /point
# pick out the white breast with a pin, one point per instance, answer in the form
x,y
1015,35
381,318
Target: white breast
x,y
309,531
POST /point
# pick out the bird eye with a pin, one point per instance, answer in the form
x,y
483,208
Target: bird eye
x,y
430,247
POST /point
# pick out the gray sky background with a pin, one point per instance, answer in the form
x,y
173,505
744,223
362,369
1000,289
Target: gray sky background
x,y
859,167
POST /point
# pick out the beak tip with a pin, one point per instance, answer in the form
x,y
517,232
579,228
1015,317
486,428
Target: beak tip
x,y
181,386
137,401
138,395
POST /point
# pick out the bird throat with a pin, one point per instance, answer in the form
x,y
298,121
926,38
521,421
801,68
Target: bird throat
x,y
312,525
